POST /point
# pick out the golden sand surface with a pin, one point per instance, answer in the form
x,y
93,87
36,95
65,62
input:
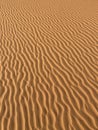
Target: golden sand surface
x,y
48,64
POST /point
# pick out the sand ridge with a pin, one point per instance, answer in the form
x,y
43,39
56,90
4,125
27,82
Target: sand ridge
x,y
48,65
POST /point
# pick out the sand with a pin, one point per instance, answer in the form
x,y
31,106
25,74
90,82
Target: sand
x,y
48,65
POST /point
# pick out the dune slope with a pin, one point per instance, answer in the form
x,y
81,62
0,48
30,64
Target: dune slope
x,y
48,65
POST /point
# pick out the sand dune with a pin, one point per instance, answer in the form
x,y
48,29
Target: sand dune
x,y
48,65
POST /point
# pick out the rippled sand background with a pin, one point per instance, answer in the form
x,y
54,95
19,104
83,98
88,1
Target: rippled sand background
x,y
48,64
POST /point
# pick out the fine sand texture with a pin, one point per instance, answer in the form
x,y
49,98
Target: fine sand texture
x,y
48,64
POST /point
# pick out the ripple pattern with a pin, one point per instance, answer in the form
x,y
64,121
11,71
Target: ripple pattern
x,y
48,65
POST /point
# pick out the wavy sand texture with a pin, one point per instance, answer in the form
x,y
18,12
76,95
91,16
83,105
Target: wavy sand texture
x,y
48,65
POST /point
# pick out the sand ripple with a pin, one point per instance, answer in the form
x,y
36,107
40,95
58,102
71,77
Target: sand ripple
x,y
48,65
